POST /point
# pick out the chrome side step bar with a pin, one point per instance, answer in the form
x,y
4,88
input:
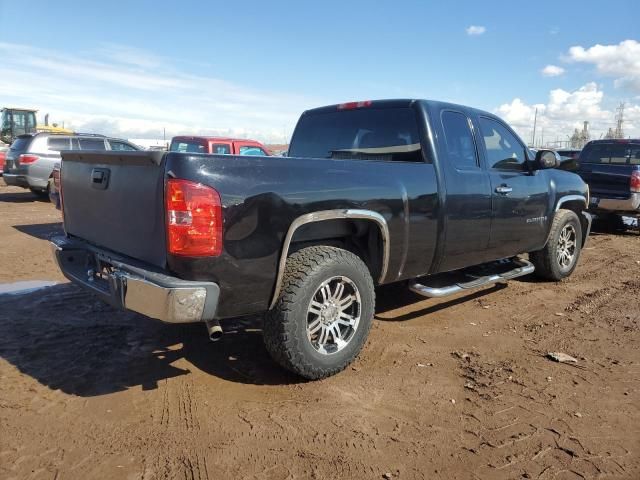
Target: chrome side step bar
x,y
524,268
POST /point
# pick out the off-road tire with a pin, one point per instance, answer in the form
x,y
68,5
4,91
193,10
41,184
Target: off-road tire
x,y
285,325
546,260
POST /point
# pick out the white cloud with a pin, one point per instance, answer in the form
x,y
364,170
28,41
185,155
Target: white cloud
x,y
476,30
117,90
565,111
552,71
621,61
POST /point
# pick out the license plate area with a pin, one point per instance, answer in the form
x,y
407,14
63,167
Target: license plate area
x,y
101,274
89,268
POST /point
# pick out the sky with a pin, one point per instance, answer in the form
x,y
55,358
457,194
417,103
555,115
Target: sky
x,y
143,69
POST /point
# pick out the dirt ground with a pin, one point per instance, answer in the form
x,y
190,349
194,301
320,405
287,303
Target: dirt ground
x,y
457,388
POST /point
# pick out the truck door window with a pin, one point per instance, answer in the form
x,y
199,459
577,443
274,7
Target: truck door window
x,y
220,148
461,147
251,150
504,150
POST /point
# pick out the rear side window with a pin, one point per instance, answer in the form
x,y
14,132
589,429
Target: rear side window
x,y
187,147
251,150
58,143
220,148
611,153
384,134
91,143
504,150
461,149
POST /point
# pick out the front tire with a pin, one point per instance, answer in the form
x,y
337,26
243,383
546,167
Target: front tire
x,y
322,318
559,258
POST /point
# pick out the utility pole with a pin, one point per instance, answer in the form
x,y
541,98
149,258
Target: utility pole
x,y
535,119
619,132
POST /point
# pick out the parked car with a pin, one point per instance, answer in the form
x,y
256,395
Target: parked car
x,y
441,197
32,157
3,154
611,168
218,145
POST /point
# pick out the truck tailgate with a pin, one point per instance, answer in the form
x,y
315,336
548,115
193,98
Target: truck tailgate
x,y
607,180
115,200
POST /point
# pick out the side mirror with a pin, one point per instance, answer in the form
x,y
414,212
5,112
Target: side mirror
x,y
546,159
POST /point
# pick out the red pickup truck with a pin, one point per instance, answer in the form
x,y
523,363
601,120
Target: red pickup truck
x,y
217,146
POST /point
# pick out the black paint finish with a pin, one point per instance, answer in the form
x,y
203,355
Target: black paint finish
x,y
439,218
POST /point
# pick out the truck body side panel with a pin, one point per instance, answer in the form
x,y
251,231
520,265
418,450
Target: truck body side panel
x,y
263,196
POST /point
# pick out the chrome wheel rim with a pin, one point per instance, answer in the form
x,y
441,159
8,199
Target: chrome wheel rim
x,y
333,315
567,246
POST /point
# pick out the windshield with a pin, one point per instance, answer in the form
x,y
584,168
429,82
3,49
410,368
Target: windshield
x,y
16,122
616,153
389,134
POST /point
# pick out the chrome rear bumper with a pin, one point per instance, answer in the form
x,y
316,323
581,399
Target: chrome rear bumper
x,y
629,205
133,287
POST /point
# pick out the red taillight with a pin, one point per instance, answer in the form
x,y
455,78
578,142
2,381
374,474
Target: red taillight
x,y
194,219
635,182
25,159
354,105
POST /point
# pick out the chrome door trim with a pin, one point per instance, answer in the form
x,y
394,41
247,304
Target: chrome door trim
x,y
332,215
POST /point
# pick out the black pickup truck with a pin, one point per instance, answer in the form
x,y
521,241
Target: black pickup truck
x,y
611,168
440,196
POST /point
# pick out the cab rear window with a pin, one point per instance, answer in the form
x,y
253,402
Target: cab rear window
x,y
612,153
187,147
384,134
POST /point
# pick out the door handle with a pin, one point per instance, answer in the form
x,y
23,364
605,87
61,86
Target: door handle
x,y
504,189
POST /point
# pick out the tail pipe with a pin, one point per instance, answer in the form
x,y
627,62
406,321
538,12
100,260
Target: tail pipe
x,y
214,330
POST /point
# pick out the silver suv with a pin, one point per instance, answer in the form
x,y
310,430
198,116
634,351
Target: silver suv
x,y
32,157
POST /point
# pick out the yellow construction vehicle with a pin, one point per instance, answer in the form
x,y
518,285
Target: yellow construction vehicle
x,y
16,121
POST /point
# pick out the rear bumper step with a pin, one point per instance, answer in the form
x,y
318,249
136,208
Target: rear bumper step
x,y
133,287
522,267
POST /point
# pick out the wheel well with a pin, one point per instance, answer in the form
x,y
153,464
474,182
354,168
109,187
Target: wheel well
x,y
359,236
578,206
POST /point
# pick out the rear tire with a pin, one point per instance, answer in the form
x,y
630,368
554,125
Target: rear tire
x,y
559,258
322,318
